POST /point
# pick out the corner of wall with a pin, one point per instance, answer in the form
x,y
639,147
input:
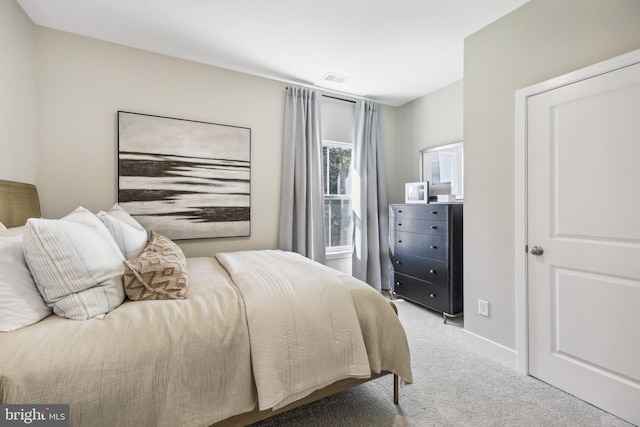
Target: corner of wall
x,y
432,120
18,88
490,349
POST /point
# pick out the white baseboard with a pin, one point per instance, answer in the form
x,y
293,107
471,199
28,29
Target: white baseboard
x,y
492,350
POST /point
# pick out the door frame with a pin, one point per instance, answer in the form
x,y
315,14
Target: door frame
x,y
521,195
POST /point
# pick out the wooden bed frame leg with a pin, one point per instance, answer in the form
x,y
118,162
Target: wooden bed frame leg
x,y
395,389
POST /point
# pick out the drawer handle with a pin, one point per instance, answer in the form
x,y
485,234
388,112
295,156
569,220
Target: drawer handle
x,y
433,247
434,212
433,227
399,241
400,225
399,211
432,271
398,262
432,295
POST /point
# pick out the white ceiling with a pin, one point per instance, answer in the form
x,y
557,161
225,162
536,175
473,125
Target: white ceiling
x,y
391,51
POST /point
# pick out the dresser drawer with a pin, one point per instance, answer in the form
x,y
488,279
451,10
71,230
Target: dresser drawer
x,y
429,270
425,226
422,245
431,211
425,293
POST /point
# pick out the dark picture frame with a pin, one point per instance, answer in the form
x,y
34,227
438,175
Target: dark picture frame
x,y
185,179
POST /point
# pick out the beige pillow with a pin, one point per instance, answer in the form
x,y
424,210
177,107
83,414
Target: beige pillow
x,y
159,272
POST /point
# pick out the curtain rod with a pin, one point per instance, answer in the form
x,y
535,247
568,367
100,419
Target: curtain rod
x,y
330,96
339,99
335,92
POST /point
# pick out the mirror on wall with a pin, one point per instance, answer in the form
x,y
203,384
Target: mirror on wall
x,y
443,167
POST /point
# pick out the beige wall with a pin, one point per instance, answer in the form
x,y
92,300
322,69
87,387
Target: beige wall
x,y
434,119
338,119
83,82
541,40
17,94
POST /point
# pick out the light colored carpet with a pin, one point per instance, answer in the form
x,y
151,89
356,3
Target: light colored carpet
x,y
453,386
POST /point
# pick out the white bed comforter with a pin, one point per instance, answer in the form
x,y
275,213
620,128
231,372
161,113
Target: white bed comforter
x,y
148,363
188,362
303,326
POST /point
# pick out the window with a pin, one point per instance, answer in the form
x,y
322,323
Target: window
x,y
336,158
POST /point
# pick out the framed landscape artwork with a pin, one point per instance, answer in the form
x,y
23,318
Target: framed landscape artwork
x,y
185,179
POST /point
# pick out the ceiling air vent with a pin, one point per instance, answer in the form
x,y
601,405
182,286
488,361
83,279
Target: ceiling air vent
x,y
334,78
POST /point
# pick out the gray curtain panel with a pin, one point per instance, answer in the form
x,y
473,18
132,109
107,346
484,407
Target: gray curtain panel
x,y
301,197
370,262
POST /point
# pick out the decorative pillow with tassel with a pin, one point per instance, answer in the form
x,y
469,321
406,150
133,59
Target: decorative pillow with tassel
x,y
158,273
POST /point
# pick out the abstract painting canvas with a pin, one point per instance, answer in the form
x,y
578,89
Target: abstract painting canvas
x,y
185,179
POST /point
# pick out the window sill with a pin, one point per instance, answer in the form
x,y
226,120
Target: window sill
x,y
338,255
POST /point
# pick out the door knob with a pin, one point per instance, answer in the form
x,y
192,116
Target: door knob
x,y
536,250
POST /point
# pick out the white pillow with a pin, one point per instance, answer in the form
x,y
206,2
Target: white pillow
x,y
130,236
76,264
20,302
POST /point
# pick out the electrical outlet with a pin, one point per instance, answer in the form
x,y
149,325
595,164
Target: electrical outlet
x,y
483,308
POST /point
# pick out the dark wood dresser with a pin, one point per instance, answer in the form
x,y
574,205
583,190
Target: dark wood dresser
x,y
425,243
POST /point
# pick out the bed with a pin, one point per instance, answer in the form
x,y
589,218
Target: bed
x,y
227,353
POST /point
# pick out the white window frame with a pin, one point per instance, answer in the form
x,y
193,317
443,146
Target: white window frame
x,y
334,252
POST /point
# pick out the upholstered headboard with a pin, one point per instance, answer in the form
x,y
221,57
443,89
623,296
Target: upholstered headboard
x,y
18,203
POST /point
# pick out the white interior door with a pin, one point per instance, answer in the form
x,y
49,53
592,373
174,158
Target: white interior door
x,y
583,207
